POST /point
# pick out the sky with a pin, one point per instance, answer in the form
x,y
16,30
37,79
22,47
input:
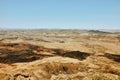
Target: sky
x,y
60,14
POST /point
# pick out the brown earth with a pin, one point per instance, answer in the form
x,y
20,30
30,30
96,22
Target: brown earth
x,y
59,55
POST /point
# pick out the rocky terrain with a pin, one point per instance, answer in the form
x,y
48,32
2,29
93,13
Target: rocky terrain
x,y
59,55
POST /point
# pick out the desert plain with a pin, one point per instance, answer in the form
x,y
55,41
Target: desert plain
x,y
59,55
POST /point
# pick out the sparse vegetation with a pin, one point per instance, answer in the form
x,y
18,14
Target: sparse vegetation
x,y
59,55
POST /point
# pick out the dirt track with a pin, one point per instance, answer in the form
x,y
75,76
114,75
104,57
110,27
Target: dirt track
x,y
59,55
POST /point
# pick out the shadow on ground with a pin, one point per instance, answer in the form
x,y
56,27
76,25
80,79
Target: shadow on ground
x,y
114,57
72,54
21,52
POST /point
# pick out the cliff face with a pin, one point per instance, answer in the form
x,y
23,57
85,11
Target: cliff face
x,y
59,55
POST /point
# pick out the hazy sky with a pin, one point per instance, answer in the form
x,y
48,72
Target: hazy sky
x,y
71,14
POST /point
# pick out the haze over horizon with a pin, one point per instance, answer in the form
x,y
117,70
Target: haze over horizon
x,y
60,14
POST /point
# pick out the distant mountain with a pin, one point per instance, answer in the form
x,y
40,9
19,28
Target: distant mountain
x,y
98,31
112,31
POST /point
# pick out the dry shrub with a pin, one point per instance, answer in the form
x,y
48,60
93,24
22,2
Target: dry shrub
x,y
101,76
65,68
110,69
